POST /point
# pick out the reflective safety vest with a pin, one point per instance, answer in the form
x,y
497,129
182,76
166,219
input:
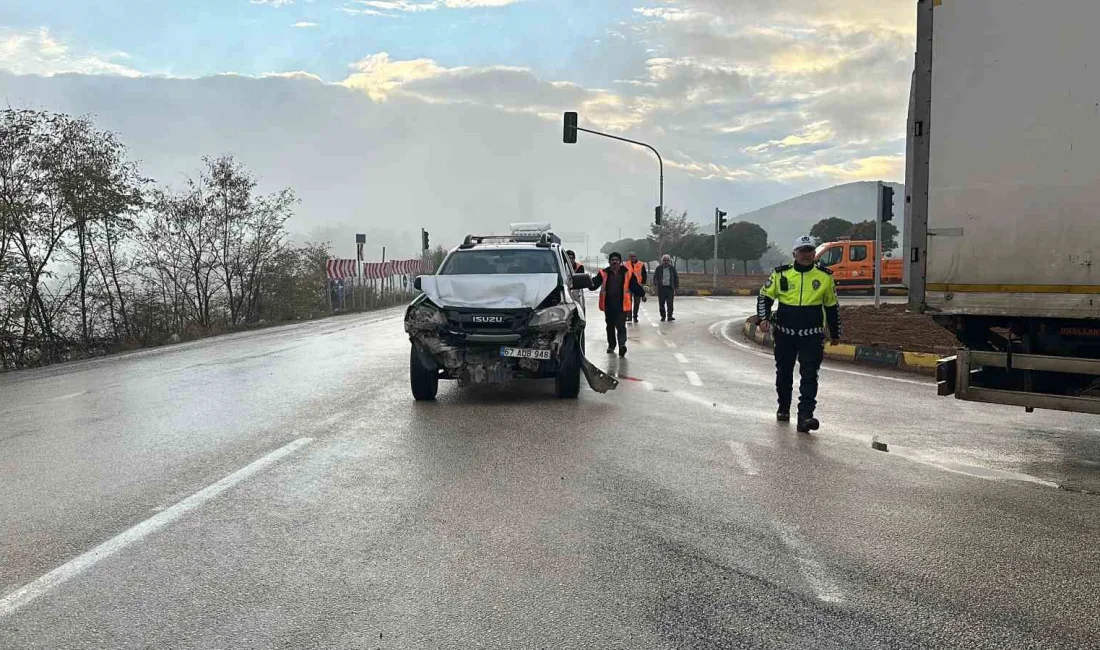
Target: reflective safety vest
x,y
807,300
635,268
626,290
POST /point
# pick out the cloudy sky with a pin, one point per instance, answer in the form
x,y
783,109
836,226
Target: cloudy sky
x,y
390,115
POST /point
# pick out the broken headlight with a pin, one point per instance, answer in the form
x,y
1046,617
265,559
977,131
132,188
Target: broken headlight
x,y
556,317
424,316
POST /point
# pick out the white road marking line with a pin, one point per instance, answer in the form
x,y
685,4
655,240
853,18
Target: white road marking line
x,y
681,358
741,455
670,344
654,324
813,571
74,567
721,328
69,396
693,377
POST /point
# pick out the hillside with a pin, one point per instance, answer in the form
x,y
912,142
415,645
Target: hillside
x,y
794,217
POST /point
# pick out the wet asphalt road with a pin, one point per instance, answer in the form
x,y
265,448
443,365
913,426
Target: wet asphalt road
x,y
674,512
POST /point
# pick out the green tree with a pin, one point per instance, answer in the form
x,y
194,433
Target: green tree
x,y
646,249
673,230
619,245
830,229
698,247
744,241
865,230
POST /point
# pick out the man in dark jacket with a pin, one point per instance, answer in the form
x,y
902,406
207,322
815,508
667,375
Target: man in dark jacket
x,y
667,281
617,286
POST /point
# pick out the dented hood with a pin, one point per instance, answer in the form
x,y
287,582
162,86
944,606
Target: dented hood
x,y
489,291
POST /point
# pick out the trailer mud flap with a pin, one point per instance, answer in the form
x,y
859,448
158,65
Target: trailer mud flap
x,y
600,381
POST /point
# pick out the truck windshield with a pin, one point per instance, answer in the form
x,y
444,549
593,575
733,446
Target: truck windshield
x,y
491,262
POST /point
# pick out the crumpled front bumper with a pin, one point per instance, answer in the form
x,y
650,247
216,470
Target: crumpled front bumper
x,y
481,363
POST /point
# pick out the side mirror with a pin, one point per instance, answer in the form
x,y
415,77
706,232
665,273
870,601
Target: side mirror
x,y
581,281
416,283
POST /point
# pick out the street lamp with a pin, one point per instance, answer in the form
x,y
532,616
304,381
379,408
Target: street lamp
x,y
570,137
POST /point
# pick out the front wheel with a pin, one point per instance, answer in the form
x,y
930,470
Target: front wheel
x,y
424,380
567,383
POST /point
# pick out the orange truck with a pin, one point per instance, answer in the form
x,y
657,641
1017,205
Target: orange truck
x,y
853,267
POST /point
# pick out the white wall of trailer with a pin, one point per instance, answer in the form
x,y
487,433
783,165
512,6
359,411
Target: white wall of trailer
x,y
1014,189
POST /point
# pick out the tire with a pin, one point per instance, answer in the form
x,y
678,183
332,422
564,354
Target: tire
x,y
424,380
567,383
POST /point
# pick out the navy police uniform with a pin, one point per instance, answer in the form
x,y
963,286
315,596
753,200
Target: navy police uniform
x,y
807,307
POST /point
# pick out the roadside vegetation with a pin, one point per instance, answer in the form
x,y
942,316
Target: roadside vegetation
x,y
95,257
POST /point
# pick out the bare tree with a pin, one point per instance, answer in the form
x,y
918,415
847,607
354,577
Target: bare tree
x,y
250,230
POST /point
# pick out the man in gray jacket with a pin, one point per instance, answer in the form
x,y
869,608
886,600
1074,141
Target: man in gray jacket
x,y
667,281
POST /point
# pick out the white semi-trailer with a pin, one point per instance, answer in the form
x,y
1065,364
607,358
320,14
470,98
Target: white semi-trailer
x,y
1003,197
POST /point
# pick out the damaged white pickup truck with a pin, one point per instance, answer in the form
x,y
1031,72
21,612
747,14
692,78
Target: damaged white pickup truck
x,y
501,308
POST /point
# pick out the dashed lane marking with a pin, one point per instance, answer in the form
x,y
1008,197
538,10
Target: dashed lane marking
x,y
681,358
69,396
744,459
813,571
693,378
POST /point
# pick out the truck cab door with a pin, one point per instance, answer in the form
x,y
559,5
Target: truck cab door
x,y
859,264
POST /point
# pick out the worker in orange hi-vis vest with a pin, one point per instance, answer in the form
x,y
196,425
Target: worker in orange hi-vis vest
x,y
638,268
617,286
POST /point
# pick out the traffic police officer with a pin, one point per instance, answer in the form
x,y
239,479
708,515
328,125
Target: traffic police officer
x,y
807,308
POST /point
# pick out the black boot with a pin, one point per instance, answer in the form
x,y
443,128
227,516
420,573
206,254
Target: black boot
x,y
783,415
808,425
622,350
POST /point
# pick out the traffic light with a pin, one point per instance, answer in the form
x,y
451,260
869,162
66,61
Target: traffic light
x,y
886,210
570,136
721,216
657,215
423,239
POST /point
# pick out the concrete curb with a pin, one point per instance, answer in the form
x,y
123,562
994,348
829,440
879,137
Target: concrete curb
x,y
918,362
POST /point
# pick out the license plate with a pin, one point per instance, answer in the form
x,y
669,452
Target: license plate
x,y
525,353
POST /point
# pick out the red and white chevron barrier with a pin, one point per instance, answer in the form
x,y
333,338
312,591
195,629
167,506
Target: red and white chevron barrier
x,y
340,269
379,270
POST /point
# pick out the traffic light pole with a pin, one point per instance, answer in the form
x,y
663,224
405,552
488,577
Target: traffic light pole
x,y
878,248
714,271
660,163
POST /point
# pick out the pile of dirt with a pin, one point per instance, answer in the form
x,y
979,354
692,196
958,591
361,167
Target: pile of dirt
x,y
892,327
